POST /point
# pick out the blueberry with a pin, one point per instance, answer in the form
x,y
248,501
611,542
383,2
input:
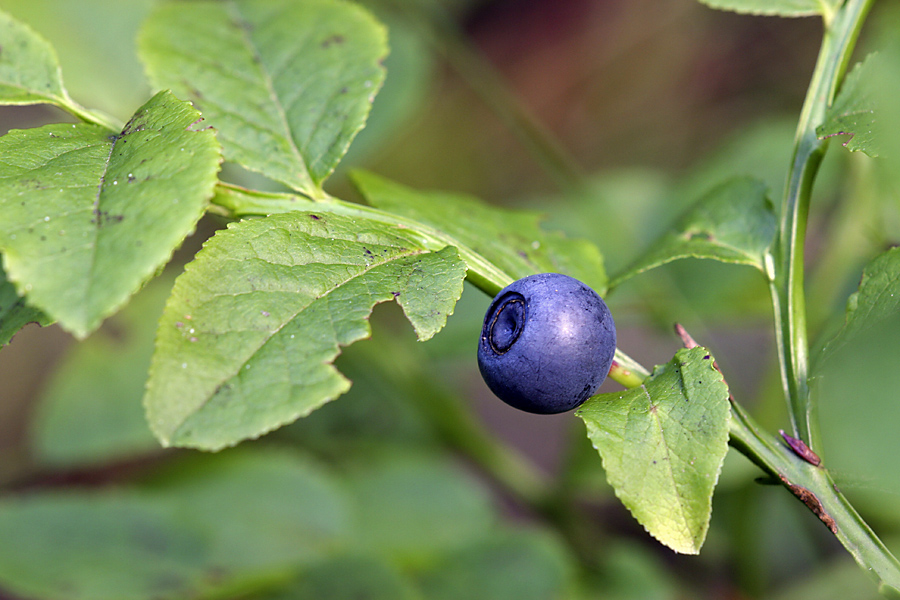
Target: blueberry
x,y
547,343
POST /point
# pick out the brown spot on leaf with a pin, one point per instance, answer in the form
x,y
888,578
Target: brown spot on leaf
x,y
333,39
703,236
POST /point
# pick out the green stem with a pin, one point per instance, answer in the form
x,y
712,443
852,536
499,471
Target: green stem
x,y
815,487
233,201
786,275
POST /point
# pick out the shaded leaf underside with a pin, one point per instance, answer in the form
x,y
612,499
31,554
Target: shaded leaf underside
x,y
734,222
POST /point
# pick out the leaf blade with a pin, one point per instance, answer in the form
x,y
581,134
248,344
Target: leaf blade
x,y
781,8
487,236
663,445
84,226
854,112
29,69
248,337
876,299
14,312
734,222
290,119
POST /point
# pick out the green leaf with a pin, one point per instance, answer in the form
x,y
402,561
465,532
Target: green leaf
x,y
248,337
733,223
349,578
232,525
29,70
89,216
781,8
876,299
100,70
488,237
99,386
520,565
854,112
413,508
663,445
14,312
286,84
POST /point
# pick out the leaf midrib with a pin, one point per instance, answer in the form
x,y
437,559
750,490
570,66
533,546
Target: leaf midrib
x,y
672,479
272,93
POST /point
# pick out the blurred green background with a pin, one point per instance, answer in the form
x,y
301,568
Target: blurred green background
x,y
641,106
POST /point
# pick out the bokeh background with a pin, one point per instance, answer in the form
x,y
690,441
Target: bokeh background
x,y
610,116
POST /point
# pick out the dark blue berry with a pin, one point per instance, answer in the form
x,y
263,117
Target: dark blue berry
x,y
547,343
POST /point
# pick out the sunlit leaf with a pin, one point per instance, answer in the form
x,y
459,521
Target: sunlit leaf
x,y
287,84
663,445
88,216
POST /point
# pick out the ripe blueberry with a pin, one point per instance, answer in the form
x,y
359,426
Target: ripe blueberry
x,y
547,343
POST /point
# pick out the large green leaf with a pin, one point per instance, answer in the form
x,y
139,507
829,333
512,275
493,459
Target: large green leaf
x,y
488,237
287,84
877,299
231,525
88,217
29,71
733,223
247,339
854,112
782,8
14,312
663,445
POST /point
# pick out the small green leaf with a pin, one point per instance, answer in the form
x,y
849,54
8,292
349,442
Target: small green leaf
x,y
287,84
876,299
488,237
14,312
733,223
854,111
29,70
663,445
248,337
781,8
89,216
231,526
